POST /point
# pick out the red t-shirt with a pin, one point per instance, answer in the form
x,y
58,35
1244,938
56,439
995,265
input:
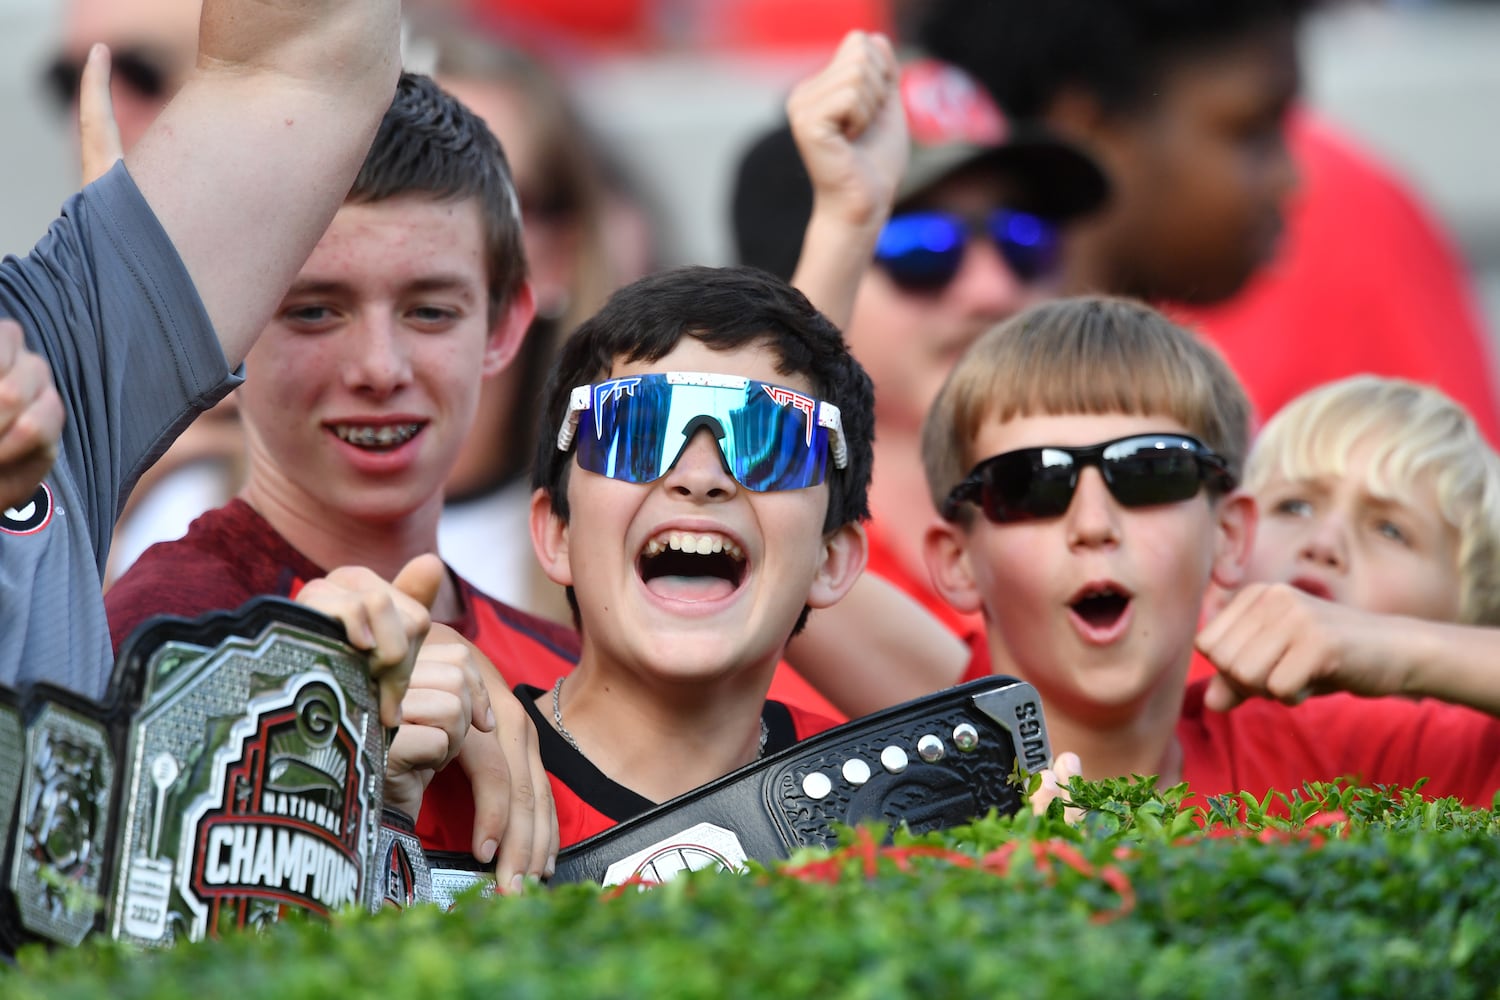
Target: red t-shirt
x,y
1263,744
792,688
232,554
1363,282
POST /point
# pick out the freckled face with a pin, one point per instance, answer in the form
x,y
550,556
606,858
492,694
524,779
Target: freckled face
x,y
362,388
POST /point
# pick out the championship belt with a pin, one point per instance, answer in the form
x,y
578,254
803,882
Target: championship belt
x,y
233,773
931,763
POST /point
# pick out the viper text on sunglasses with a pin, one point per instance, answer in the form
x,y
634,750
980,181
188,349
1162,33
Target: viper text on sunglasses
x,y
770,437
1142,470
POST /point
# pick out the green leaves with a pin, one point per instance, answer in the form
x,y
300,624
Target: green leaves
x,y
1332,890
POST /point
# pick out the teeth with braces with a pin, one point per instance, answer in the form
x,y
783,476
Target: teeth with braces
x,y
694,543
385,436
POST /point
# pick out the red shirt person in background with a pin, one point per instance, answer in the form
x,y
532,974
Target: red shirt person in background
x,y
1298,255
1364,281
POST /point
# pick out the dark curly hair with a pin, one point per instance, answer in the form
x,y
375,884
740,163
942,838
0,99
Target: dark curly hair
x,y
1025,52
429,143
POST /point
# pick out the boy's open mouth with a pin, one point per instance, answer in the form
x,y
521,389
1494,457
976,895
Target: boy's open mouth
x,y
376,437
1100,606
691,565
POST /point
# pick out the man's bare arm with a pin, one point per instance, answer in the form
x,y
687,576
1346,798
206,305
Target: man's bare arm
x,y
876,648
248,164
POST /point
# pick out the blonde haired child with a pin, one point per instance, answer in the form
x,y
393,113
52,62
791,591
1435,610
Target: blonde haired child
x,y
1383,494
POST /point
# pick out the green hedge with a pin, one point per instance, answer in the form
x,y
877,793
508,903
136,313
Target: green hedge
x,y
1337,892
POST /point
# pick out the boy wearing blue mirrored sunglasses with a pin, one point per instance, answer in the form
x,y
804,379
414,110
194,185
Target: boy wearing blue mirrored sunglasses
x,y
700,479
1085,456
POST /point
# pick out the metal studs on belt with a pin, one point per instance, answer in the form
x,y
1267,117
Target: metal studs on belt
x,y
856,771
894,759
816,785
930,748
965,737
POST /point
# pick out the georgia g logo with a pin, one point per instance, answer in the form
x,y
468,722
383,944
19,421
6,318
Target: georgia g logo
x,y
31,516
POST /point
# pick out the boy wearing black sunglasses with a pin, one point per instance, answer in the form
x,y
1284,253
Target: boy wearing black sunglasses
x,y
700,477
1084,456
973,238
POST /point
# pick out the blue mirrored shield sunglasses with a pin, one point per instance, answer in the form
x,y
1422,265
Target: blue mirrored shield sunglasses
x,y
770,437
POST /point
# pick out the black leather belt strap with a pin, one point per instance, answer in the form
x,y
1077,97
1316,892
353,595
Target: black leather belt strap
x,y
930,763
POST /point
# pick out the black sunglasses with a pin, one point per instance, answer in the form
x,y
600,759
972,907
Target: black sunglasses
x,y
144,70
922,251
1142,470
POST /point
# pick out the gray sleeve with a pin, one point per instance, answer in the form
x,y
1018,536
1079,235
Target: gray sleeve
x,y
106,298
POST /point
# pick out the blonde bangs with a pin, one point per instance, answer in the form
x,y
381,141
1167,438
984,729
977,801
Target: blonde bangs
x,y
1407,434
1414,440
1084,356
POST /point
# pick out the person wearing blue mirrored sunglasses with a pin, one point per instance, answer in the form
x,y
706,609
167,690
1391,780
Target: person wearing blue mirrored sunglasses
x,y
923,250
701,472
770,437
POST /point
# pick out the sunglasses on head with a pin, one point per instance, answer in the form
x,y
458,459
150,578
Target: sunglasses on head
x,y
1142,470
142,69
922,251
770,437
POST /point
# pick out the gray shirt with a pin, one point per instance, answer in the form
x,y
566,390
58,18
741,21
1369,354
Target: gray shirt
x,y
106,299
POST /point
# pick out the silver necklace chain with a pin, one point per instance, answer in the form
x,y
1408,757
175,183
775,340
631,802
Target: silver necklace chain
x,y
765,730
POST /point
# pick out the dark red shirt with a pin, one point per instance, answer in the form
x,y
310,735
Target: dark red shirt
x,y
232,554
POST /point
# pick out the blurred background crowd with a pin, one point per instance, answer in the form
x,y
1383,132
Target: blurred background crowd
x,y
674,88
626,121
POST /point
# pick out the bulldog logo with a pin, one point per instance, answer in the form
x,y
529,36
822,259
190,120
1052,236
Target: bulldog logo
x,y
31,516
